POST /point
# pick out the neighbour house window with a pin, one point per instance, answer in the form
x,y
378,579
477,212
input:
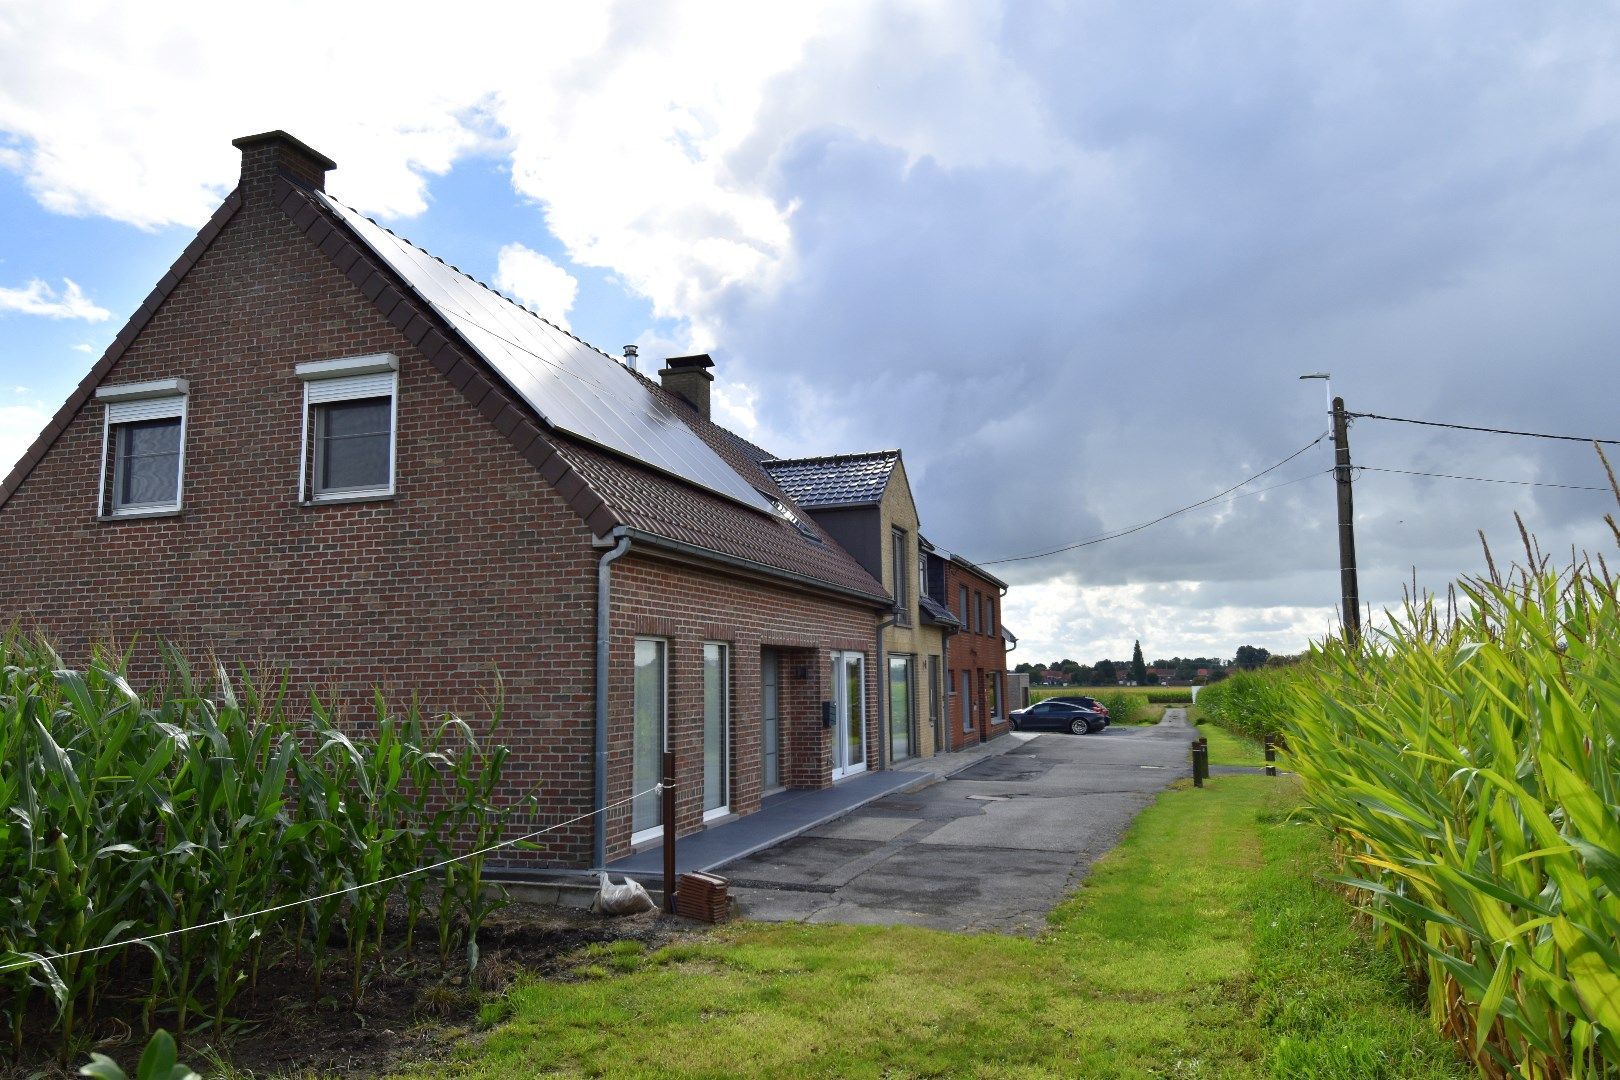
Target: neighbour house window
x,y
990,615
143,456
995,693
978,610
350,413
962,605
900,573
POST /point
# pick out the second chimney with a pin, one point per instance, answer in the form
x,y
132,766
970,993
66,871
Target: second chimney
x,y
688,377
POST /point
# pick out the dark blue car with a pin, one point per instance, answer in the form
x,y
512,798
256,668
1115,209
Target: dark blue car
x,y
1059,716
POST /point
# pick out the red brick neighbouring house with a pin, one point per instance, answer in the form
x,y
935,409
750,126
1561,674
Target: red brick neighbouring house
x,y
317,448
976,655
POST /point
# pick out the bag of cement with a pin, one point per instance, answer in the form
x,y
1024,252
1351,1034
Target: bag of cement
x,y
626,899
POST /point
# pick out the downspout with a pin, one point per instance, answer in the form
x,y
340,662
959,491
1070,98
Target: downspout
x,y
604,639
881,677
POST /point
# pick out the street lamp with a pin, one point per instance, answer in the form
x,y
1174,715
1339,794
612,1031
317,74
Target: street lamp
x,y
1327,381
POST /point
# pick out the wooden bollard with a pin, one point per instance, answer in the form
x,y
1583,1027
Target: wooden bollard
x,y
1200,761
1271,756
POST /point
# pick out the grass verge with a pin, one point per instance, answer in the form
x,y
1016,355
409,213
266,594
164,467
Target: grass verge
x,y
1201,947
1226,747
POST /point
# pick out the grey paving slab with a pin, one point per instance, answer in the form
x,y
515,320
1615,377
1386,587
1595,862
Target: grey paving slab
x,y
865,827
781,817
1062,823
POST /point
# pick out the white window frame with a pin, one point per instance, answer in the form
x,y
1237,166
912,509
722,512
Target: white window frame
x,y
724,809
348,379
128,403
656,831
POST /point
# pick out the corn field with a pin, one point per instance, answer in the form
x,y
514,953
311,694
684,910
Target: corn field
x,y
1468,759
129,819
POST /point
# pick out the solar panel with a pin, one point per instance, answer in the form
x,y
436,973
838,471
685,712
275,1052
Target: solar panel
x,y
573,387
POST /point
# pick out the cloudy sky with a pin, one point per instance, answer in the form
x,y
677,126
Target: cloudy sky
x,y
1071,257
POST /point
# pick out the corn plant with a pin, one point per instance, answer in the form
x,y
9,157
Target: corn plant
x,y
210,821
1468,758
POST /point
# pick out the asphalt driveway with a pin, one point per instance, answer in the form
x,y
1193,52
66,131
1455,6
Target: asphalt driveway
x,y
994,847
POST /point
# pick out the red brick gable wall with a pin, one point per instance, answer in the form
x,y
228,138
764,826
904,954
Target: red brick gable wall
x,y
475,565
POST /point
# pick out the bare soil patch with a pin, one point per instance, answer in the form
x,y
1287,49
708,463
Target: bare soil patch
x,y
411,1010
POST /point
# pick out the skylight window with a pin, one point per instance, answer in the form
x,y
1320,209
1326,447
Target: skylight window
x,y
781,510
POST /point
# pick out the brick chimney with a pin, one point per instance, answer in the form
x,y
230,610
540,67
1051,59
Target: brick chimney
x,y
276,152
689,377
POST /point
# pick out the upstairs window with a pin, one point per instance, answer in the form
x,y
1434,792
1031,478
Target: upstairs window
x,y
350,414
967,618
143,448
900,574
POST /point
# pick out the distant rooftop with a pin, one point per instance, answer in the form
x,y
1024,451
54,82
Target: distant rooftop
x,y
821,483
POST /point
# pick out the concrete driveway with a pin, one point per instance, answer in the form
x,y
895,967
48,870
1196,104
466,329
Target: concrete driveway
x,y
994,847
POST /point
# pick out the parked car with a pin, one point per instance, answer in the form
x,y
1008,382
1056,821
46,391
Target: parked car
x,y
1083,701
1059,716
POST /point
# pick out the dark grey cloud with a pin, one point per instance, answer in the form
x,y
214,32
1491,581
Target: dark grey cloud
x,y
1422,201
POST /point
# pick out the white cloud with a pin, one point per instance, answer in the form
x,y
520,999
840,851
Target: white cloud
x,y
536,282
20,425
38,298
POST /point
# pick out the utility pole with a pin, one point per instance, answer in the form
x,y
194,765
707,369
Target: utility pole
x,y
1351,592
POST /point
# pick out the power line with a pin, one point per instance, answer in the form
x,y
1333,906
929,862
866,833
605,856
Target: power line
x,y
1490,430
1219,495
1484,479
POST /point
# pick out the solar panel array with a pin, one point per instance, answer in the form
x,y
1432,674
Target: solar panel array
x,y
572,386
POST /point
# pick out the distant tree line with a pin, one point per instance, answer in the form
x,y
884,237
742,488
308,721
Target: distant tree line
x,y
1106,672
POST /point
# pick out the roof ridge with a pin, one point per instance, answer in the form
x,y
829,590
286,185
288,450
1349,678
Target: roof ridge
x,y
479,282
859,455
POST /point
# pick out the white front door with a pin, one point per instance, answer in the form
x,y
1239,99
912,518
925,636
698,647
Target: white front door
x,y
849,714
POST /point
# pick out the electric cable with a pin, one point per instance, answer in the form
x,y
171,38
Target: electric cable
x,y
1219,495
1483,479
1489,430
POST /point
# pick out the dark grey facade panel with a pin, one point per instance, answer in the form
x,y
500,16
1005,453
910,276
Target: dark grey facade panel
x,y
858,531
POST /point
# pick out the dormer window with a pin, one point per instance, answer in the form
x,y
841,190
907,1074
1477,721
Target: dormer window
x,y
143,448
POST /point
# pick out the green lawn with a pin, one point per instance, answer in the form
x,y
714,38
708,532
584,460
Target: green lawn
x,y
1201,947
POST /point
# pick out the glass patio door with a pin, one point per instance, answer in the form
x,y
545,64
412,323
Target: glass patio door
x,y
900,701
849,714
716,730
647,755
770,696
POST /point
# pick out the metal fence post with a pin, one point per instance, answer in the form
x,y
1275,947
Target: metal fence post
x,y
669,831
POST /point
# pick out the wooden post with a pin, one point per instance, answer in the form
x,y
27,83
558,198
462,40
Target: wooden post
x,y
1200,761
1350,598
1271,757
669,831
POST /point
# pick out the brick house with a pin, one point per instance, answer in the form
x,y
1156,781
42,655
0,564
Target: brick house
x,y
864,501
317,448
976,656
